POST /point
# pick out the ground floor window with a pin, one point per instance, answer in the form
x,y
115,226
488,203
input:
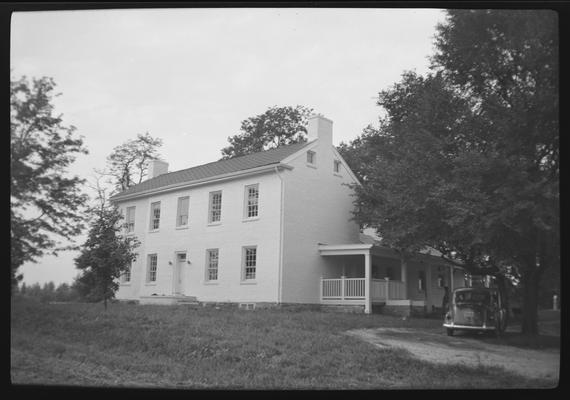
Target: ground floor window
x,y
126,277
421,280
212,257
249,262
152,267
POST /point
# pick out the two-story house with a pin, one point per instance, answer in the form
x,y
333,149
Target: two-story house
x,y
273,227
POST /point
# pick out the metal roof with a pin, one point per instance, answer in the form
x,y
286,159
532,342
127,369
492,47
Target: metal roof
x,y
214,169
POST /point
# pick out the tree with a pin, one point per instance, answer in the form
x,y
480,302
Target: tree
x,y
46,204
106,255
277,126
510,73
466,159
128,163
23,289
48,292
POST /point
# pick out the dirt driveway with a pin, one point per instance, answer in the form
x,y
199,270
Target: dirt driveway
x,y
435,346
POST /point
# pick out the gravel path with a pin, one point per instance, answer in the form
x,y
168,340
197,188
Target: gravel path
x,y
437,347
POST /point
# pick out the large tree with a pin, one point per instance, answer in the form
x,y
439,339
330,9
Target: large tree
x,y
46,202
466,159
128,163
275,127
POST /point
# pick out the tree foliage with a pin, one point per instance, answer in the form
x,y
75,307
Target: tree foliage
x,y
49,292
128,162
275,127
466,159
46,203
105,256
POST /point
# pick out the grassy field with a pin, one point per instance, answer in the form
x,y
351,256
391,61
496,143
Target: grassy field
x,y
204,348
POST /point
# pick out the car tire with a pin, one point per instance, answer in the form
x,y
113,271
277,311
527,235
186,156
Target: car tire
x,y
449,332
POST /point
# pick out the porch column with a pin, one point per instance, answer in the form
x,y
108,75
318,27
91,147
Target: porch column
x,y
429,297
404,273
367,283
451,280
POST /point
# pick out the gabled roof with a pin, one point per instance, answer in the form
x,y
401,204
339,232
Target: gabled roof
x,y
214,169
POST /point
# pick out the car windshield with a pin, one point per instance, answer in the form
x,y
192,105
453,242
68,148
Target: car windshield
x,y
472,296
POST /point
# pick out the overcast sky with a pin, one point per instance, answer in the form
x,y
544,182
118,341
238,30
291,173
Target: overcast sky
x,y
190,76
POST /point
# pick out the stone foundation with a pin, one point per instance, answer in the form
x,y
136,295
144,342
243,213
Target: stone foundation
x,y
354,309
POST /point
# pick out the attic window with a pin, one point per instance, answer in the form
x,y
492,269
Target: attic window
x,y
311,157
336,166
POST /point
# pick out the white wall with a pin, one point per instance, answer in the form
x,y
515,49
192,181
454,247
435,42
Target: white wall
x,y
317,209
228,237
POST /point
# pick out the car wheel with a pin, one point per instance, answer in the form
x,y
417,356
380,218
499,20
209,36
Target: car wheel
x,y
449,332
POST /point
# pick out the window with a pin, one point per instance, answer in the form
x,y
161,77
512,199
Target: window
x,y
152,266
212,256
390,273
337,166
421,281
126,277
249,262
155,216
440,281
252,201
311,157
130,219
182,211
215,214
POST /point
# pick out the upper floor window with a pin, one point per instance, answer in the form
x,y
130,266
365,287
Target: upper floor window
x,y
311,157
152,267
182,211
252,201
212,257
336,166
249,262
155,215
215,213
130,219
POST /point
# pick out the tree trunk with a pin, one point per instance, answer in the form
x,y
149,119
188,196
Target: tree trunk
x,y
105,302
530,301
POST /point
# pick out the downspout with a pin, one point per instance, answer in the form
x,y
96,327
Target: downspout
x,y
280,283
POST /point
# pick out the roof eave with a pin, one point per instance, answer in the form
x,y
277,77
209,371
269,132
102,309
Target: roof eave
x,y
199,182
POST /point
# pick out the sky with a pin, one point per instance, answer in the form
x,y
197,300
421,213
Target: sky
x,y
190,76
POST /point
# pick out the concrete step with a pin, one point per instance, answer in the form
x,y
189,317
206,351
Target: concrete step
x,y
187,300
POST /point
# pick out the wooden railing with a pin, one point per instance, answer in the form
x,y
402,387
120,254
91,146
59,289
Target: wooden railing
x,y
354,289
342,289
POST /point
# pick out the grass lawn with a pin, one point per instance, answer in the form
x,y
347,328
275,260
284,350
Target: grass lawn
x,y
204,348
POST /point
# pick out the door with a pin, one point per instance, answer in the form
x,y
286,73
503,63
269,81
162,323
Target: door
x,y
179,270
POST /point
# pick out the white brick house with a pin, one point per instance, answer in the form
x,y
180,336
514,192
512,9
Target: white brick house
x,y
271,227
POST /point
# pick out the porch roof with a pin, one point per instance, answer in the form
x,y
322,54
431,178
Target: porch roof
x,y
348,249
356,249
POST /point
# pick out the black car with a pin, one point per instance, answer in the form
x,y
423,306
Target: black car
x,y
478,309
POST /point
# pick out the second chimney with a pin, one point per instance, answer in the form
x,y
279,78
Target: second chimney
x,y
320,128
156,168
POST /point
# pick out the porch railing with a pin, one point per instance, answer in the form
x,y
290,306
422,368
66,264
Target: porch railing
x,y
354,289
343,289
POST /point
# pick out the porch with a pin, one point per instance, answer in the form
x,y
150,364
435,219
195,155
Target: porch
x,y
352,291
369,275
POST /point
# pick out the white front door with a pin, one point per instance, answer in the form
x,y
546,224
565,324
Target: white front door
x,y
179,273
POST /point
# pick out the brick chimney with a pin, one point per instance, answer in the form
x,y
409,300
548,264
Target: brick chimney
x,y
320,128
156,168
